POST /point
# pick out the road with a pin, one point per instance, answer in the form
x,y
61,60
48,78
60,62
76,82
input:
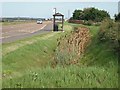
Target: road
x,y
16,32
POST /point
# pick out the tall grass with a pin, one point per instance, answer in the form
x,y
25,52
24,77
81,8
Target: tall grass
x,y
109,31
71,46
72,76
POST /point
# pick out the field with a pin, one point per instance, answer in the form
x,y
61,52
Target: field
x,y
27,63
12,29
6,23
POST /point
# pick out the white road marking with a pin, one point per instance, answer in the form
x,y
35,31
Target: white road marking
x,y
38,30
43,27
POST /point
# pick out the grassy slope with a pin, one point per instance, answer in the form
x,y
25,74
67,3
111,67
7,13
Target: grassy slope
x,y
98,66
34,52
24,55
0,66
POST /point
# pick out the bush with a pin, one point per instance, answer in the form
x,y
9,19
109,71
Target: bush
x,y
76,21
89,23
97,23
117,17
109,32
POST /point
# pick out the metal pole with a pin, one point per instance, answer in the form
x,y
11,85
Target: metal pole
x,y
55,10
68,14
53,23
62,21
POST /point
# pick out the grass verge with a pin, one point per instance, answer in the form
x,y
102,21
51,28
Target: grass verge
x,y
28,66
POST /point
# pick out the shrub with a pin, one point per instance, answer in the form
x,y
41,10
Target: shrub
x,y
89,23
109,32
97,23
76,21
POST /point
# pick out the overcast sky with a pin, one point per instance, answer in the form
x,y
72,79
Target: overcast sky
x,y
45,9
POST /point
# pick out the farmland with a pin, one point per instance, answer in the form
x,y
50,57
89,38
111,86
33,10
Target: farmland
x,y
13,31
15,22
28,63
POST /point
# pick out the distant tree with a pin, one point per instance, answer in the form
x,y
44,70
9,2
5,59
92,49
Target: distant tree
x,y
90,14
71,18
76,14
117,17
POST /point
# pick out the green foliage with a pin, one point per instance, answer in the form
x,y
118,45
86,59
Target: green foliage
x,y
117,17
109,32
68,77
90,14
89,23
76,14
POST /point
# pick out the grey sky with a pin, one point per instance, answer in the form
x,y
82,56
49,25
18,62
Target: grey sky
x,y
45,9
119,6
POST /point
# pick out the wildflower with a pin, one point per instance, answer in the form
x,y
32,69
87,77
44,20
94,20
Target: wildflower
x,y
34,76
10,77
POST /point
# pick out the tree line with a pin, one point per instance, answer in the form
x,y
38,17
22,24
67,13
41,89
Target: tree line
x,y
117,17
8,19
90,14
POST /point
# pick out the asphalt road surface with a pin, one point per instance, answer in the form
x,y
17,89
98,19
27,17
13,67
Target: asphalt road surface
x,y
16,32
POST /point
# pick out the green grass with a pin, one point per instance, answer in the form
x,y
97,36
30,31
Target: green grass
x,y
28,63
34,52
72,76
0,66
93,29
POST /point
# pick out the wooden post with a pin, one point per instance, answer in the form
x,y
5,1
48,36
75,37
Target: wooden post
x,y
62,21
53,23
